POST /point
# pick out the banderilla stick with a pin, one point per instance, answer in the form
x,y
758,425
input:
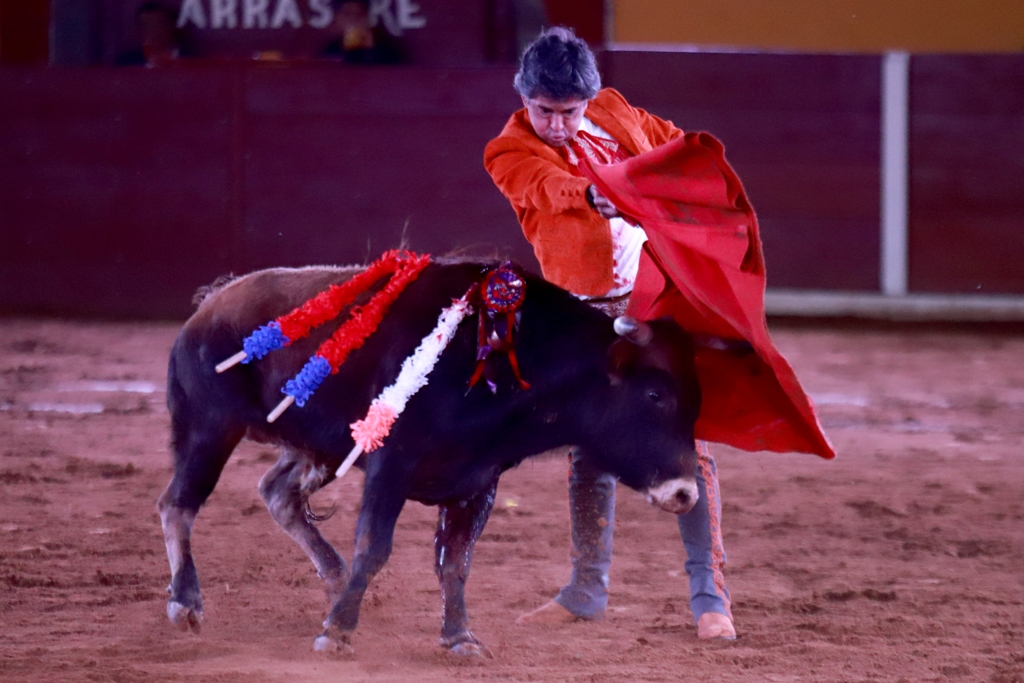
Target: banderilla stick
x,y
281,407
349,460
232,362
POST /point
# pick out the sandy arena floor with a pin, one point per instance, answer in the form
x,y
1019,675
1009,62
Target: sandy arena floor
x,y
902,560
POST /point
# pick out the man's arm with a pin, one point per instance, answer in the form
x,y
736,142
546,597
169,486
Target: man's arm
x,y
528,180
571,240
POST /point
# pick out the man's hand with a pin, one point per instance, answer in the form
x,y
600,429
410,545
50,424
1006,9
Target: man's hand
x,y
601,203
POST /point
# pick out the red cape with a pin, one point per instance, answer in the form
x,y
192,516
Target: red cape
x,y
703,266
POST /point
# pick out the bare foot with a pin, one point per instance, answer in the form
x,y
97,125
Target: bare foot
x,y
549,614
713,625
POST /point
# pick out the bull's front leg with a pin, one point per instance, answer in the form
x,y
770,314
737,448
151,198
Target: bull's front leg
x,y
384,493
458,527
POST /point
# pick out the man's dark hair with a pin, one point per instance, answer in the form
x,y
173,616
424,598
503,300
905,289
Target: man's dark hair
x,y
559,66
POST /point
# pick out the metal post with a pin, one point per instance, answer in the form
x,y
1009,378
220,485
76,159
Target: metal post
x,y
895,180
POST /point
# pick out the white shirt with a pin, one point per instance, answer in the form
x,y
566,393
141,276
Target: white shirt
x,y
627,240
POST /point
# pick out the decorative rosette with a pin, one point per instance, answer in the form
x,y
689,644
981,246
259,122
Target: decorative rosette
x,y
503,290
501,294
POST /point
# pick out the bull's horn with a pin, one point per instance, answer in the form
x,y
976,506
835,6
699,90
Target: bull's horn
x,y
640,333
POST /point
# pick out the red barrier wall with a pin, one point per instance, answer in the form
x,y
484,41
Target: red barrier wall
x,y
24,26
802,131
122,191
967,174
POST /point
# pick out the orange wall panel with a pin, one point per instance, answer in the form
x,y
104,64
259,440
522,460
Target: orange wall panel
x,y
826,26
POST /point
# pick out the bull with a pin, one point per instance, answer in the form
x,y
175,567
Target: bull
x,y
628,397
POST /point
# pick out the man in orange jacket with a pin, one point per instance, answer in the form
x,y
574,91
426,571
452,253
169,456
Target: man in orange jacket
x,y
584,245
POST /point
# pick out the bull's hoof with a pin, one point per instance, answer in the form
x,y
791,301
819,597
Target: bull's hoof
x,y
340,646
464,644
185,618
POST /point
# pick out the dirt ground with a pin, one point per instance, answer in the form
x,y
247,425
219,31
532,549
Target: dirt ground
x,y
902,560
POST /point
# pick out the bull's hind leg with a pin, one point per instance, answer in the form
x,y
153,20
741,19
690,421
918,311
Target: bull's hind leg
x,y
199,457
286,489
458,528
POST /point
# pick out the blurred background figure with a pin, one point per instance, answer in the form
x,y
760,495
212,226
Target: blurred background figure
x,y
158,36
356,41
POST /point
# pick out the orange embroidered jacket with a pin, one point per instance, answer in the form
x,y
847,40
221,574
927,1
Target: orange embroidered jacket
x,y
572,241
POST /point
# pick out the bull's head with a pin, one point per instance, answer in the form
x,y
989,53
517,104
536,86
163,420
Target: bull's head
x,y
646,436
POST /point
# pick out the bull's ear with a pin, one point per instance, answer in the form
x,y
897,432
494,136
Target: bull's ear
x,y
622,356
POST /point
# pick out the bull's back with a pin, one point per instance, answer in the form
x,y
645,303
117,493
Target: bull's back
x,y
230,313
252,300
558,333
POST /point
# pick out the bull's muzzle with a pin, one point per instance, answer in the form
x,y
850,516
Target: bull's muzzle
x,y
677,496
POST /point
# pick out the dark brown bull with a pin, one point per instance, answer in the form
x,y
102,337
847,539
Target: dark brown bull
x,y
631,406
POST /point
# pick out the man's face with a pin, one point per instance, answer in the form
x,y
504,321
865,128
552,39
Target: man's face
x,y
555,121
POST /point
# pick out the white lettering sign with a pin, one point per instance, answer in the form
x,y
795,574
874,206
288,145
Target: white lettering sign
x,y
254,13
407,17
380,12
395,15
323,15
192,11
287,11
222,14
